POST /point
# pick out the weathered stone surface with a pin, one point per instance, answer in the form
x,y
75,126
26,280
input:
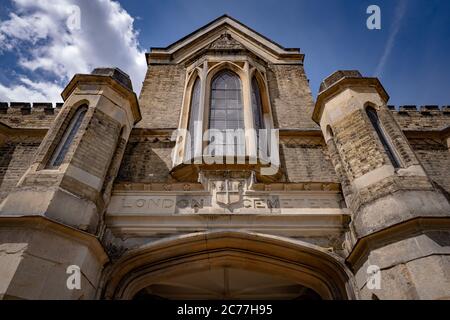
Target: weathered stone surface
x,y
31,270
290,97
161,96
413,268
337,205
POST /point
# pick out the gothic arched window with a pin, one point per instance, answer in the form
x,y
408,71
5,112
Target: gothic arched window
x,y
226,112
373,117
257,106
226,102
194,115
69,135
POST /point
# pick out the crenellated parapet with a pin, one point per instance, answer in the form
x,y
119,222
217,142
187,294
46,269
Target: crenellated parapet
x,y
29,115
421,118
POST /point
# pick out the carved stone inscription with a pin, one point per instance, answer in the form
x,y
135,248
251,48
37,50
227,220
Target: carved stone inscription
x,y
161,204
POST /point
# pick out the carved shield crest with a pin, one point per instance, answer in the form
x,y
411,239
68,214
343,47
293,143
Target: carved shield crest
x,y
228,192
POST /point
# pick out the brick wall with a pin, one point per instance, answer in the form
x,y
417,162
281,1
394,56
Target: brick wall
x,y
358,148
97,145
360,151
422,119
306,159
28,115
16,156
94,153
397,137
388,186
435,158
290,94
290,97
161,96
147,159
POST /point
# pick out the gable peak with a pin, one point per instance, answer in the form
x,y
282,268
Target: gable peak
x,y
227,33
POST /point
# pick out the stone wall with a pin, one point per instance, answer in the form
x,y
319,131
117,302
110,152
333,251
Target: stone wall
x,y
306,159
98,145
161,96
16,156
147,159
28,115
290,97
434,156
359,150
423,118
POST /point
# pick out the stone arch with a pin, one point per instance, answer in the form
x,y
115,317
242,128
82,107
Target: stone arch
x,y
303,263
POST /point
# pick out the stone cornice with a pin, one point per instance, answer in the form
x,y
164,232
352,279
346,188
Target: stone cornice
x,y
342,84
104,80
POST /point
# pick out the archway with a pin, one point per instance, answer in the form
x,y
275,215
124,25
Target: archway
x,y
228,265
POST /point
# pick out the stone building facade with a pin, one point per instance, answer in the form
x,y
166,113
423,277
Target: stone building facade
x,y
352,204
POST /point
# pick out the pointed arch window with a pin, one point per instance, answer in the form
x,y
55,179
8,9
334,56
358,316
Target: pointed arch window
x,y
373,117
226,102
69,135
194,116
226,113
257,106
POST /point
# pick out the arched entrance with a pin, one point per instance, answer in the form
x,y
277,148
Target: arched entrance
x,y
227,281
228,265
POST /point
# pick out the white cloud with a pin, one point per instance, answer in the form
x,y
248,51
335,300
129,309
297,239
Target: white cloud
x,y
28,90
393,32
41,34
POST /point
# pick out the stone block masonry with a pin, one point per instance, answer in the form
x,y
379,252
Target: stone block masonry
x,y
37,115
161,96
423,118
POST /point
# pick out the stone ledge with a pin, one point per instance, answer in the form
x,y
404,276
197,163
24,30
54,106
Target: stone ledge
x,y
40,222
363,246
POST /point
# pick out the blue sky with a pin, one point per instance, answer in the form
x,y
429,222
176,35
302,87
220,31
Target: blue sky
x,y
409,53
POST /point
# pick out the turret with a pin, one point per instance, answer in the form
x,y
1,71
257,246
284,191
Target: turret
x,y
60,200
397,212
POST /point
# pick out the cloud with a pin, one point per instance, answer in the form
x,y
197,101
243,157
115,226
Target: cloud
x,y
400,11
58,39
28,90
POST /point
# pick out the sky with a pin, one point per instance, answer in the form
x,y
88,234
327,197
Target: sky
x,y
44,43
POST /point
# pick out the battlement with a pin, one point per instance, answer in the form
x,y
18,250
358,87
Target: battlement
x,y
27,107
423,109
29,114
426,117
41,114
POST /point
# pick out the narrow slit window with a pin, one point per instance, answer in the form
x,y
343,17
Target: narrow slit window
x,y
257,106
194,115
373,117
67,139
